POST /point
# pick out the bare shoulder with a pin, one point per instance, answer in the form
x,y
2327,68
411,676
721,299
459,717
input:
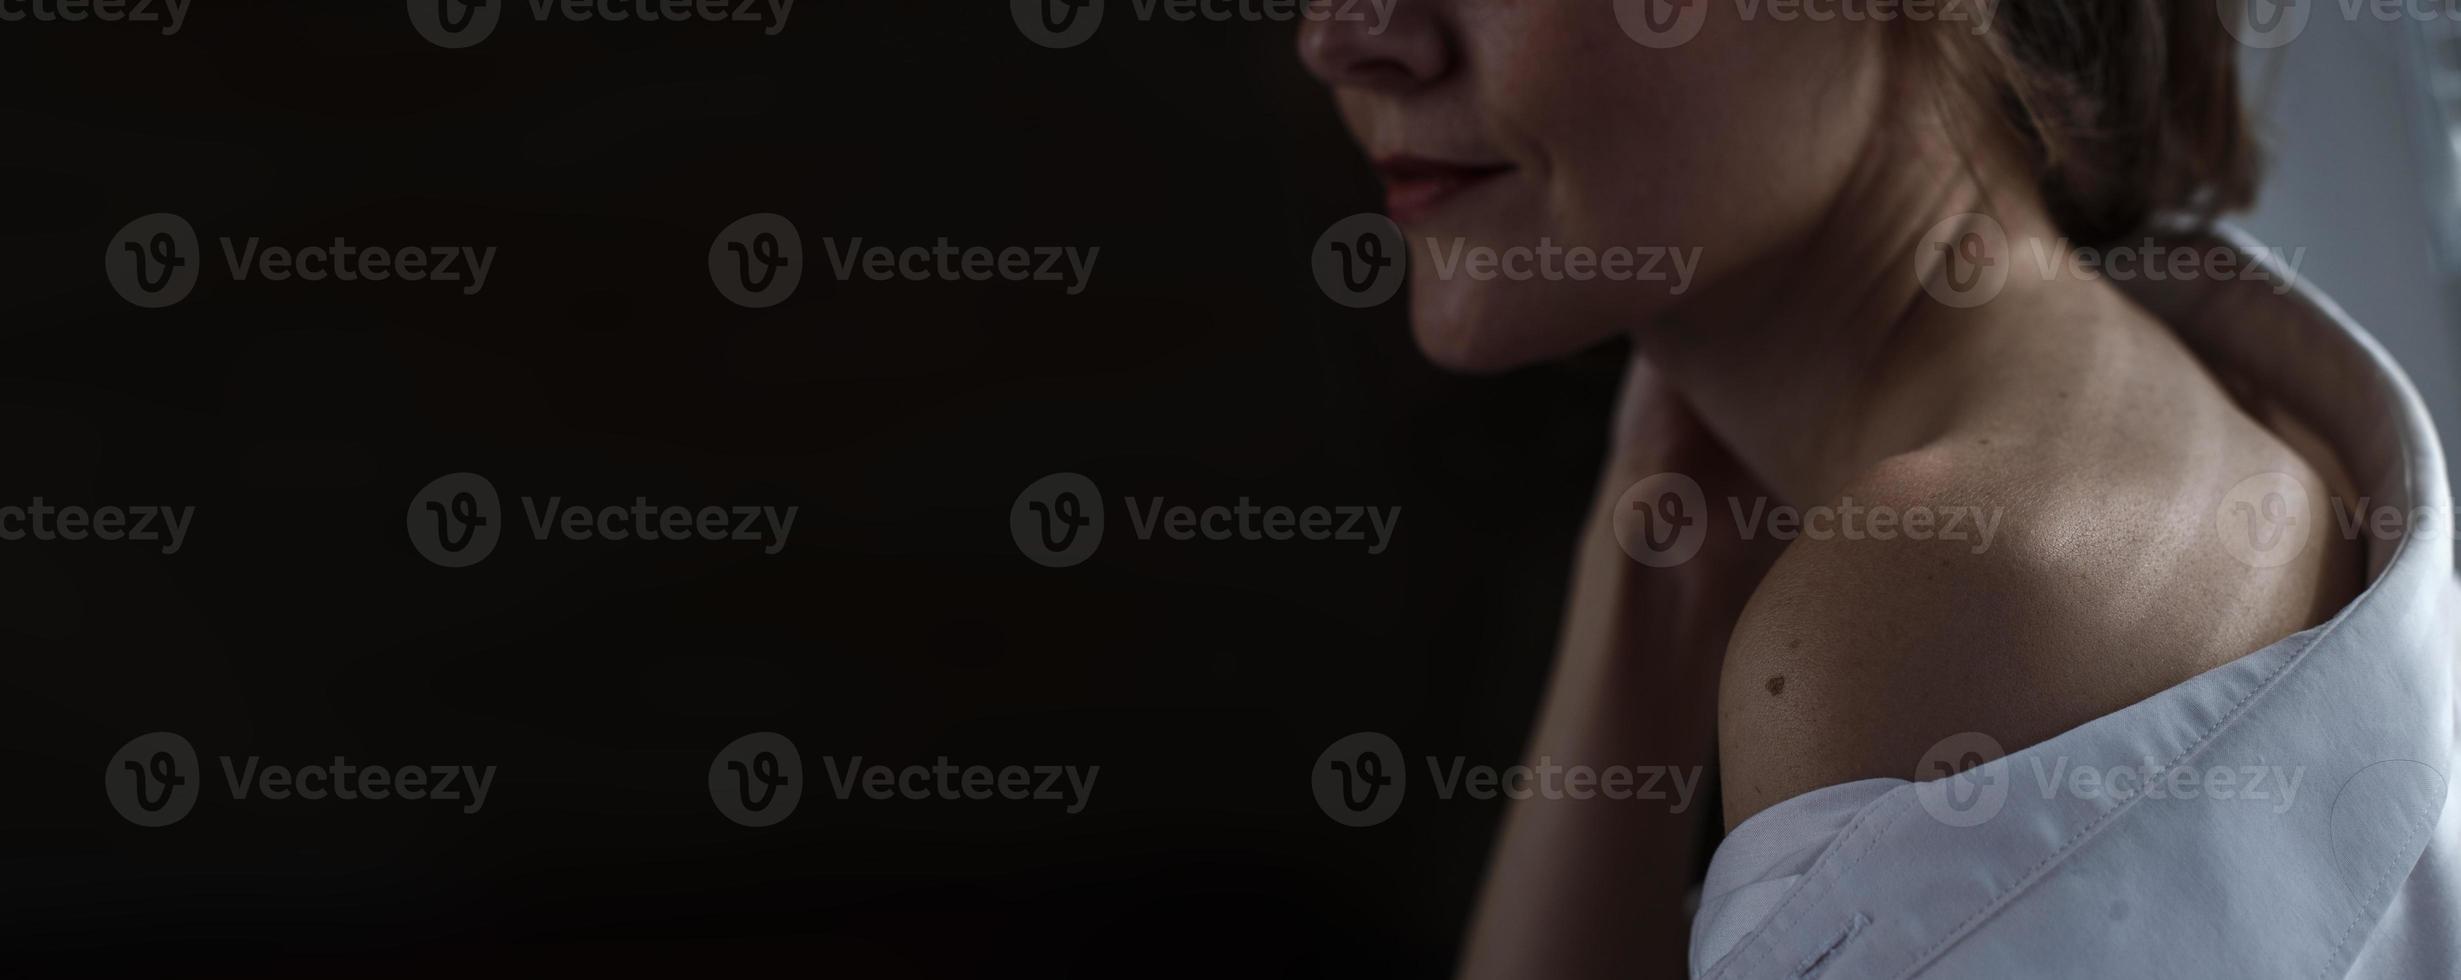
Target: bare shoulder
x,y
2018,587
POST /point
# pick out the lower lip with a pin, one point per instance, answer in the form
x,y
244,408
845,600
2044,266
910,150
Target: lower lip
x,y
1418,197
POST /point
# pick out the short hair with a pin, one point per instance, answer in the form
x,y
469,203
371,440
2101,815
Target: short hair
x,y
2127,109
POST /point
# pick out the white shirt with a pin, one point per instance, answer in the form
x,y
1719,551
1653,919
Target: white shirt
x,y
2297,821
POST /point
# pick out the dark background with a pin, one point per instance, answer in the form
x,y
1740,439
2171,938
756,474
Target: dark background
x,y
900,623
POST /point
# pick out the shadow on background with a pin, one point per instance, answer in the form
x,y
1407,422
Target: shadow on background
x,y
901,624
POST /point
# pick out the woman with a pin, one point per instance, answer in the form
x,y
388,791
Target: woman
x,y
1902,305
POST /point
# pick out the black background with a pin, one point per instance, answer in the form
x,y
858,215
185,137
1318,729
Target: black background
x,y
900,624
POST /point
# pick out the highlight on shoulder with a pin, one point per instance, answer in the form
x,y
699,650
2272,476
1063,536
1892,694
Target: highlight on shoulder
x,y
2013,584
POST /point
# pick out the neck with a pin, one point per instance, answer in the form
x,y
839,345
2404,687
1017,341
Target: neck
x,y
1831,355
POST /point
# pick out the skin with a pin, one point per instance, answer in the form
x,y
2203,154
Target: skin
x,y
1806,365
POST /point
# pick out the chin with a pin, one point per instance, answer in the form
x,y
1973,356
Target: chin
x,y
1481,330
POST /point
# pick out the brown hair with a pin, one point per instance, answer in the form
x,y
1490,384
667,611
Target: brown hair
x,y
2126,108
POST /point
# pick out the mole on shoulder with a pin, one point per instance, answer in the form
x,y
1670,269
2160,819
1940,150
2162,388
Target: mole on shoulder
x,y
1777,684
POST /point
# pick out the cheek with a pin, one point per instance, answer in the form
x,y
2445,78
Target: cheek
x,y
1724,149
1732,143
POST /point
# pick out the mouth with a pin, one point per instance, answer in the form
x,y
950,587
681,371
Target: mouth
x,y
1415,186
